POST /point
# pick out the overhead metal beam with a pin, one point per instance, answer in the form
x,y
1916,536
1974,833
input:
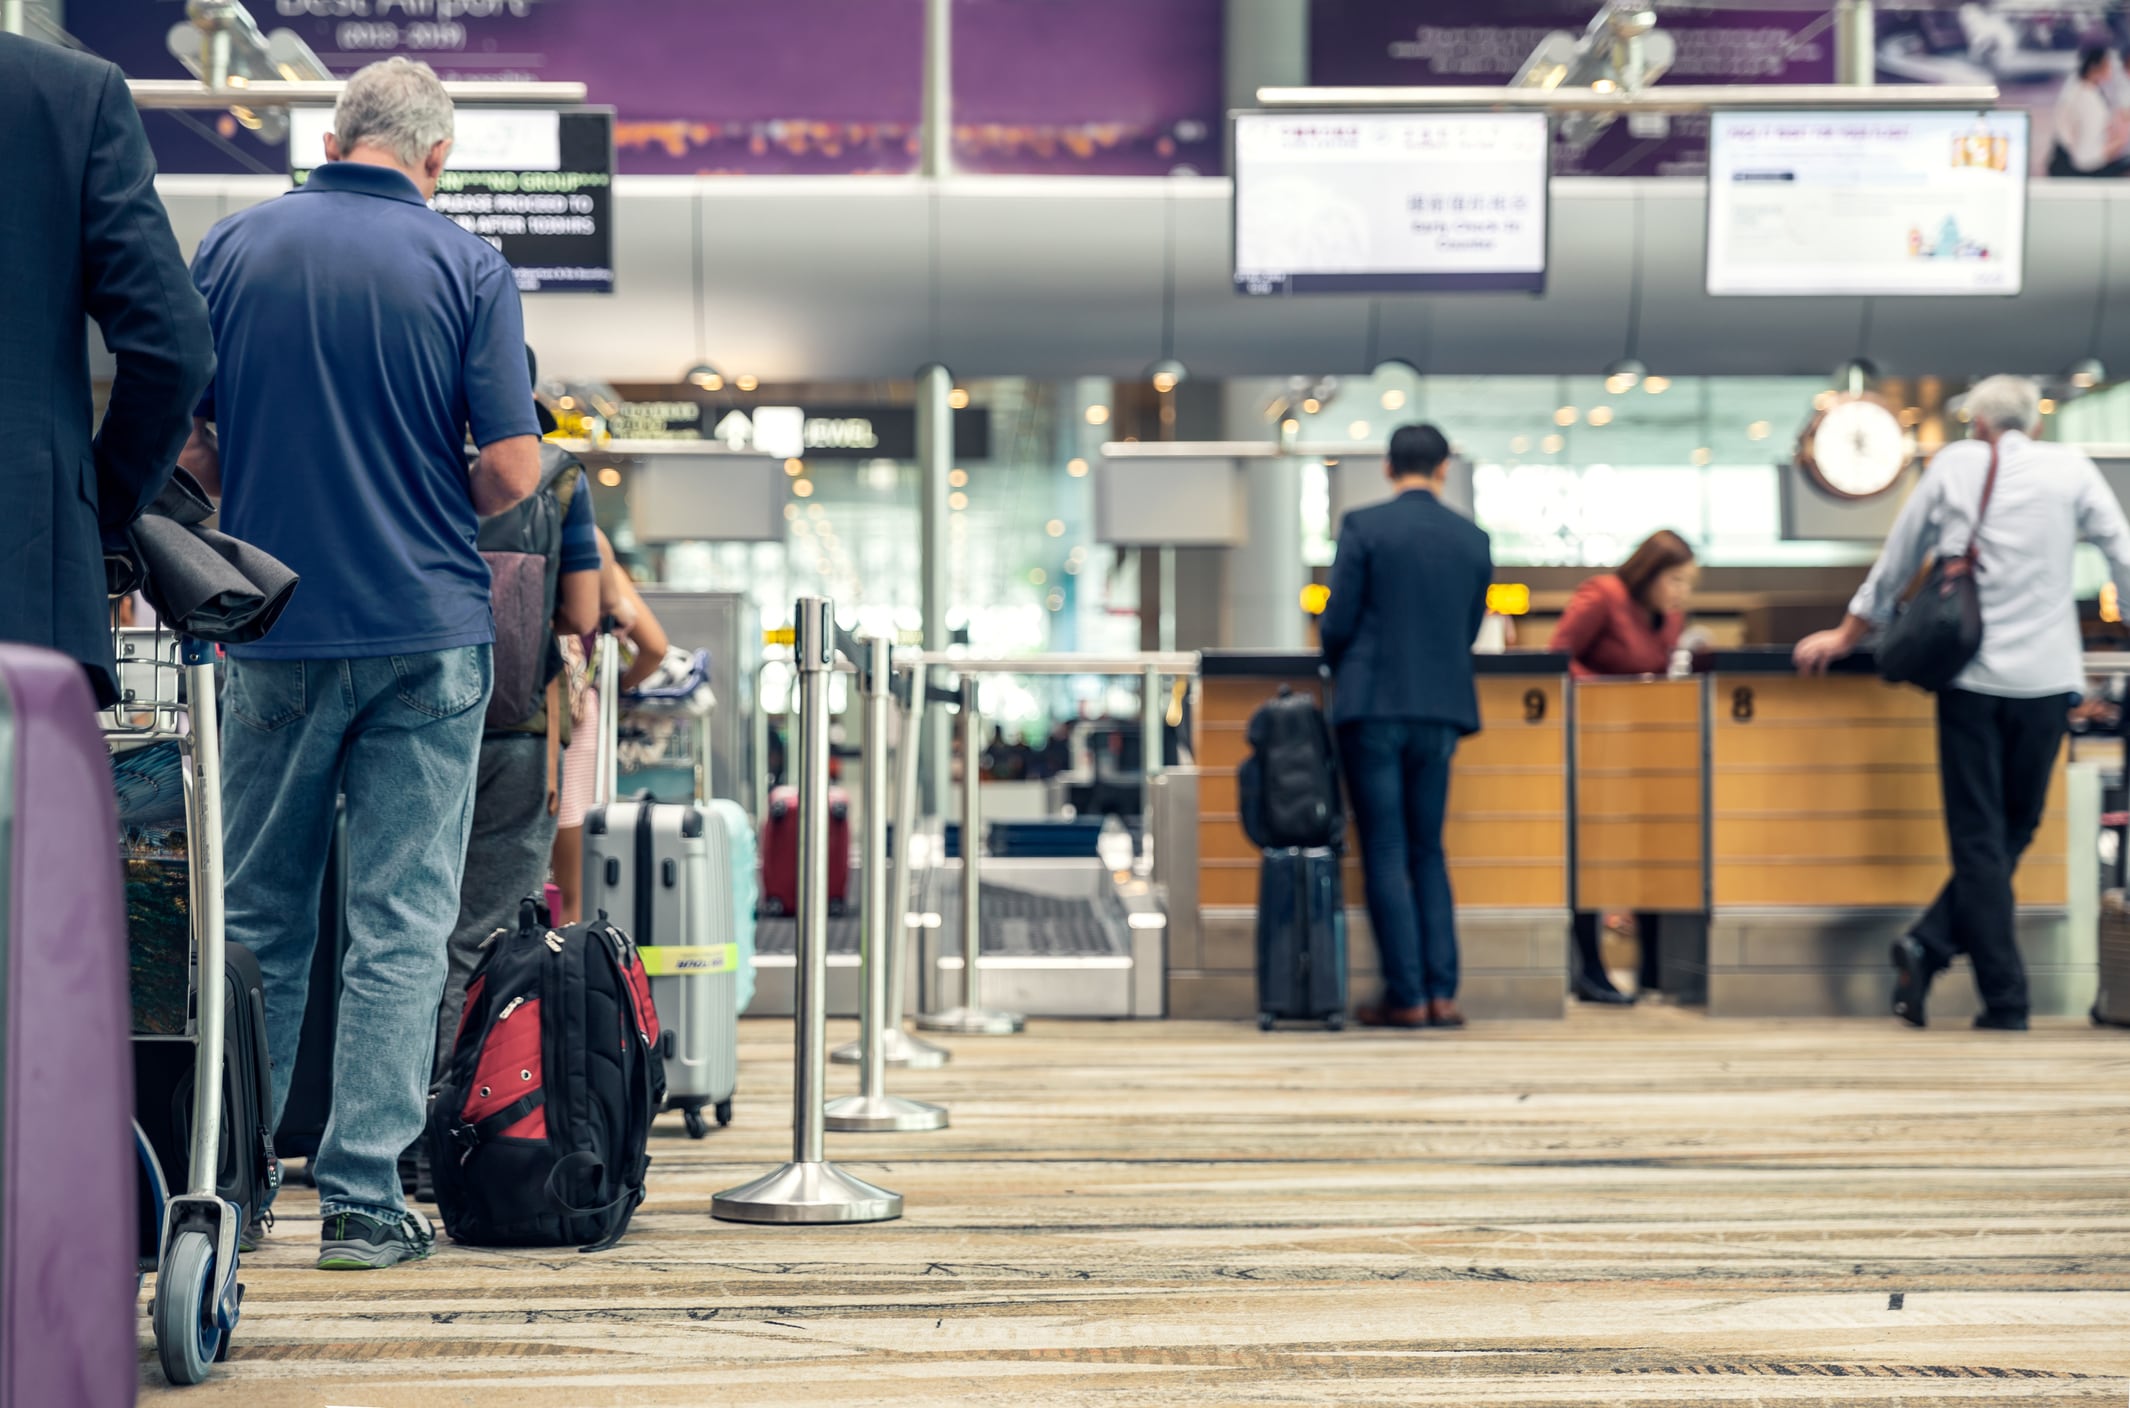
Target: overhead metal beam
x,y
184,93
1673,99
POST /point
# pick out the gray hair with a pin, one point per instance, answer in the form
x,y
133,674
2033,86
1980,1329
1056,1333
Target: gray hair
x,y
2003,403
397,104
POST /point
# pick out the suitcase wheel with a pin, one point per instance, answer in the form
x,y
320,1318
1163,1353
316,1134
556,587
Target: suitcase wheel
x,y
1264,1021
692,1117
724,1113
1336,1022
184,1312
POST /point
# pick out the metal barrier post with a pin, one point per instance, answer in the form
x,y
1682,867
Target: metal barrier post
x,y
971,1018
809,1189
903,1048
873,1109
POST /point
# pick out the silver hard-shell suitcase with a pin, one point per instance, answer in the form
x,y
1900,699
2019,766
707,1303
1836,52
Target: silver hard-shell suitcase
x,y
649,866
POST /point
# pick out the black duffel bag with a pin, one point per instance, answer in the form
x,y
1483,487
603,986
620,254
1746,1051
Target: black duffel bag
x,y
1938,631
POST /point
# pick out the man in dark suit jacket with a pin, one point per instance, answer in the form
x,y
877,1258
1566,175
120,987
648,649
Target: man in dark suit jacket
x,y
83,235
1408,593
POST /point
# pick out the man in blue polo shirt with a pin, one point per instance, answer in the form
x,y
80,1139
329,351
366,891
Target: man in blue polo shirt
x,y
362,338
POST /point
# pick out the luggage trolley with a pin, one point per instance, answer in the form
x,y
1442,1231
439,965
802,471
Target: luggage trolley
x,y
167,694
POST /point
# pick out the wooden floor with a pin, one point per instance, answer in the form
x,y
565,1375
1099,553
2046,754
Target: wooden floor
x,y
1629,1207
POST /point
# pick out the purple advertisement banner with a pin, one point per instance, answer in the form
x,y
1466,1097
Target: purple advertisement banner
x,y
1124,87
2027,49
1481,43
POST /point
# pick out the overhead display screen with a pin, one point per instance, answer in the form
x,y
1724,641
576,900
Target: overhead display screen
x,y
1868,203
1390,202
537,183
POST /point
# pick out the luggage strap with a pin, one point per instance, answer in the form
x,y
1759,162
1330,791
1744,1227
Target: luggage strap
x,y
470,1137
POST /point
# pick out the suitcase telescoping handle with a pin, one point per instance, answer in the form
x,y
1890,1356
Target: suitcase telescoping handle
x,y
606,775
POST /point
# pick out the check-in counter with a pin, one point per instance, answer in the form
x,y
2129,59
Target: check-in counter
x,y
1508,840
1641,779
1826,839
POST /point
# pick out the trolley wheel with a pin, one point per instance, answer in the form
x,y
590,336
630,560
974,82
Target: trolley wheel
x,y
1336,1022
186,1340
692,1116
724,1113
1264,1021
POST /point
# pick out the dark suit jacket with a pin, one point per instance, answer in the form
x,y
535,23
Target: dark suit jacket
x,y
83,235
1408,591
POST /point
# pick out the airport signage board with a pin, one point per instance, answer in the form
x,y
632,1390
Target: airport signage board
x,y
1867,204
537,183
821,431
1390,202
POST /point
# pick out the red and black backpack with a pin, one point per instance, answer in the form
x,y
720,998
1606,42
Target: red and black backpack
x,y
538,1135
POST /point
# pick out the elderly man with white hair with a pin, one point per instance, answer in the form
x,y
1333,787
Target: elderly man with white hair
x,y
2002,721
363,338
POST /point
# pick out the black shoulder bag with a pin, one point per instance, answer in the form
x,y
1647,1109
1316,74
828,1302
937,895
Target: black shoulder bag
x,y
1939,630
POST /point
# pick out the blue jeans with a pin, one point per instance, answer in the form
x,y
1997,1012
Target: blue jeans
x,y
1398,773
399,736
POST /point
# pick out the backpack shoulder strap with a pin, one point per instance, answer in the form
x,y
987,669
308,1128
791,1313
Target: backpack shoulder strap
x,y
1989,491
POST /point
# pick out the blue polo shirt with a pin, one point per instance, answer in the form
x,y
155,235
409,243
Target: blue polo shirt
x,y
359,337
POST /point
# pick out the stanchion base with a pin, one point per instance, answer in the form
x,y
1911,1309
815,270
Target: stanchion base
x,y
972,1021
902,1050
890,1114
807,1193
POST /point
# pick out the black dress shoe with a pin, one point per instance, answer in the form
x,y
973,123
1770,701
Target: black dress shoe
x,y
1911,981
1588,989
2001,1022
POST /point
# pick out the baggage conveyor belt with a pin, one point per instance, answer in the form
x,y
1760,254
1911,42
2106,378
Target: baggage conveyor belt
x,y
1021,922
1061,938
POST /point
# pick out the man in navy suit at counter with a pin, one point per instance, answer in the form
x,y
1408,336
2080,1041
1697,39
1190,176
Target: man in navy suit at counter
x,y
1408,593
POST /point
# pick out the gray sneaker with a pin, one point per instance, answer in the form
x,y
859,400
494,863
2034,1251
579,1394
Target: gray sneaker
x,y
353,1241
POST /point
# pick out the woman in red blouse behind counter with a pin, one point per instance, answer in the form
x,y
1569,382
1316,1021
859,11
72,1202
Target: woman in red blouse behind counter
x,y
1626,623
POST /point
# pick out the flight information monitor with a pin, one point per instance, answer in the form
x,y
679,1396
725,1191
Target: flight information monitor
x,y
1390,202
1866,203
537,183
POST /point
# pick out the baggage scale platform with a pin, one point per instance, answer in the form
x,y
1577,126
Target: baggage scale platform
x,y
1061,938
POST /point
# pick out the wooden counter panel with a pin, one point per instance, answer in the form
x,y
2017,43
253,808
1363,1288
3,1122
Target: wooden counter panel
x,y
1467,841
1670,797
1476,884
1217,792
1638,884
1909,836
1232,700
1603,702
1643,748
1222,745
1868,883
1824,747
1517,745
1907,788
1505,792
1787,698
1618,842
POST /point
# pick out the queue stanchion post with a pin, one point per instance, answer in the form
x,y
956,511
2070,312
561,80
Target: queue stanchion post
x,y
972,1018
809,1189
901,1046
873,1110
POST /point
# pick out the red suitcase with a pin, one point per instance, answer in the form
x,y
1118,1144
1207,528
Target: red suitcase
x,y
780,851
68,1234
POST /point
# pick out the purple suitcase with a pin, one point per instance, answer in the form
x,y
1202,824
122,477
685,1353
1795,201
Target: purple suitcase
x,y
68,1239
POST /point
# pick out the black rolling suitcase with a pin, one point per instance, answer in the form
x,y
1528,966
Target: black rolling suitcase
x,y
162,1096
1301,938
